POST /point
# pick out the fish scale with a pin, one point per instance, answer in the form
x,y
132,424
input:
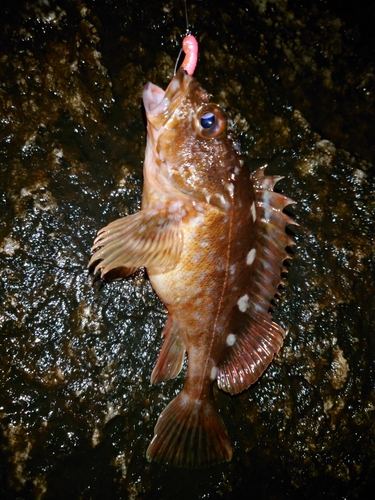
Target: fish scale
x,y
213,240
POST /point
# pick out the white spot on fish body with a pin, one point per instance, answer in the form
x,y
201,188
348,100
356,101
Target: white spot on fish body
x,y
196,258
266,202
253,212
222,200
231,339
213,373
174,86
243,303
232,269
198,206
174,207
230,188
250,257
197,221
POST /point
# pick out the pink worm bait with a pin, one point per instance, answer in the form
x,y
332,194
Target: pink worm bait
x,y
190,47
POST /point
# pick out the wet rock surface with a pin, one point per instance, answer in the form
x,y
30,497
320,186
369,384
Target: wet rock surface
x,y
76,407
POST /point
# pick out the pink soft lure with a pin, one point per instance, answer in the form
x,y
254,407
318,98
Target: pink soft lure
x,y
190,47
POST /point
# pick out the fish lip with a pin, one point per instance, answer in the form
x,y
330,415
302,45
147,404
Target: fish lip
x,y
153,97
158,103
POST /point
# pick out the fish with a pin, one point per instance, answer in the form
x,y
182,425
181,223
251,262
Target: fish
x,y
212,237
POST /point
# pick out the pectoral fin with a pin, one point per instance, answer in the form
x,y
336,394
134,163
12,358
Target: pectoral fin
x,y
151,238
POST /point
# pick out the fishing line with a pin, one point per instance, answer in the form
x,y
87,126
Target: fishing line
x,y
187,20
188,32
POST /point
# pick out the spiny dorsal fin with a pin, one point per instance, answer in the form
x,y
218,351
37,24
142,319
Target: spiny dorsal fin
x,y
151,238
252,348
272,241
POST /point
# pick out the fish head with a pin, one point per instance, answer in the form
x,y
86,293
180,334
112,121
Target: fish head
x,y
191,147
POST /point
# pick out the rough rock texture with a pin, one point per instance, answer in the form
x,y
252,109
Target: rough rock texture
x,y
76,407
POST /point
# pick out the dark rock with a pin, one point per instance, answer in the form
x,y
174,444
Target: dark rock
x,y
76,407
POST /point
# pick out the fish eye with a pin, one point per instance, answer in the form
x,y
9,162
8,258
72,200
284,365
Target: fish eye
x,y
207,119
210,121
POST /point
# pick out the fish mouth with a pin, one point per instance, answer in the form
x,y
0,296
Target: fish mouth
x,y
159,104
153,97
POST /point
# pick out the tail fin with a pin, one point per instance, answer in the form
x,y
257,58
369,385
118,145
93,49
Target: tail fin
x,y
190,433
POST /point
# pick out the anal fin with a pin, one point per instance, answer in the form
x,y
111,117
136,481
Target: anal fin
x,y
171,356
251,352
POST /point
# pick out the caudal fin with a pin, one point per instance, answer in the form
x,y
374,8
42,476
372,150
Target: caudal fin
x,y
190,433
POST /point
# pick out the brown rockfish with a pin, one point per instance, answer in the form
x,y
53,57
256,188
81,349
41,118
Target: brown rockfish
x,y
212,238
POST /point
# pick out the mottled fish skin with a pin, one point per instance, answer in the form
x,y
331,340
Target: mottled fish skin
x,y
212,237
